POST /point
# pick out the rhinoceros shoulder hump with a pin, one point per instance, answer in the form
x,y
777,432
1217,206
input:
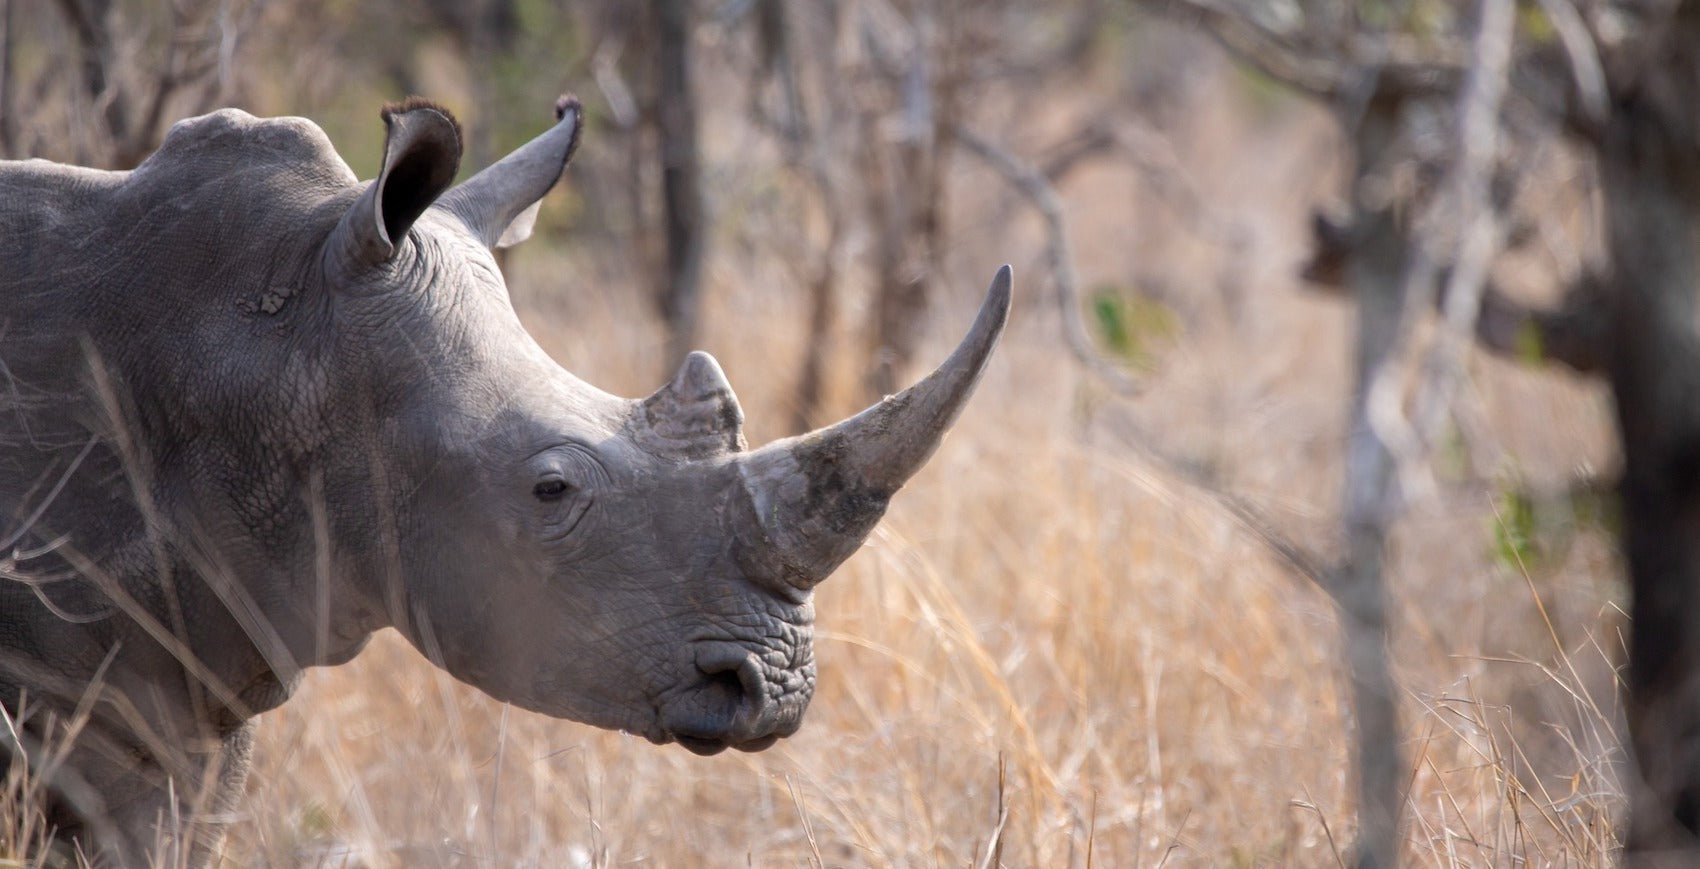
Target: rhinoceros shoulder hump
x,y
234,137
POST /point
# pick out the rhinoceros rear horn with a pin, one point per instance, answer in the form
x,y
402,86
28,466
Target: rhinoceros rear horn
x,y
499,204
693,416
422,149
817,496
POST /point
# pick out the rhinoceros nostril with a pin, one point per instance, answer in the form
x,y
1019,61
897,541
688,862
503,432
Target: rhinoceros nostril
x,y
734,673
725,681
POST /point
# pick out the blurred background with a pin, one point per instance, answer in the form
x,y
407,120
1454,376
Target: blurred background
x,y
1117,621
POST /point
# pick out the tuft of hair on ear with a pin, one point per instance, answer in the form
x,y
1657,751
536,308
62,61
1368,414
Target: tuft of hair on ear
x,y
417,102
565,102
570,103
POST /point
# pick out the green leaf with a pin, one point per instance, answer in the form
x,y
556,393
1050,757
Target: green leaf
x,y
1534,25
1514,531
1529,345
1132,327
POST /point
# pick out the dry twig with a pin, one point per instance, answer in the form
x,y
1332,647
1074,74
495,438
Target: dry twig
x,y
1032,184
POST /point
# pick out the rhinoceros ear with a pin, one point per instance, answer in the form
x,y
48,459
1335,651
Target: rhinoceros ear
x,y
422,149
694,416
499,204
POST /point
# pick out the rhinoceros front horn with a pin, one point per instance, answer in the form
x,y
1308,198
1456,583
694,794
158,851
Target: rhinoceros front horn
x,y
817,496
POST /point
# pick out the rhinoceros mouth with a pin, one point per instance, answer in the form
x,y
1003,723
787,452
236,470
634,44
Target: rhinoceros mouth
x,y
710,747
728,704
702,747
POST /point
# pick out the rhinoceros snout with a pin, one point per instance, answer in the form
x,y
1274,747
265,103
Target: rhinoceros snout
x,y
732,706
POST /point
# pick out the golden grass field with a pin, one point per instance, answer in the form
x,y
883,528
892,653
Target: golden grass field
x,y
1054,652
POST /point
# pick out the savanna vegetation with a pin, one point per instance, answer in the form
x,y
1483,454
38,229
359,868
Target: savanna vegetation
x,y
1291,499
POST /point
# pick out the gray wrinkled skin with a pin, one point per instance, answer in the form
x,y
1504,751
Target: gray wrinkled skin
x,y
252,410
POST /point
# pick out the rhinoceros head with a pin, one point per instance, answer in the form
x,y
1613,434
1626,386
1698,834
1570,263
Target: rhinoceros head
x,y
627,563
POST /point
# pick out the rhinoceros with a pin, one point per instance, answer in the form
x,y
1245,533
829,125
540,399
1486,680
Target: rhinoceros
x,y
253,410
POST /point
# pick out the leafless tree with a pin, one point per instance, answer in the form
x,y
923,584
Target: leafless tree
x,y
132,102
806,118
1614,81
893,80
137,66
642,62
681,175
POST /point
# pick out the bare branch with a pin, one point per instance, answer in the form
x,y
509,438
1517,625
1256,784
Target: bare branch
x,y
1402,68
605,68
1093,140
129,96
1152,155
1039,192
89,20
1265,51
1392,273
915,72
193,49
1379,273
780,63
1576,334
1586,70
1473,212
805,150
1298,559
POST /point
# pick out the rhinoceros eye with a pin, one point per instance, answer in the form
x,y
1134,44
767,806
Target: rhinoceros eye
x,y
552,489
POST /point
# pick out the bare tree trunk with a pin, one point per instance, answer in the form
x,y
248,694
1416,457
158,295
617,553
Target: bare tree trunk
x,y
908,207
88,20
1359,584
822,292
681,176
1375,273
905,269
805,148
624,40
486,31
129,100
8,83
1651,178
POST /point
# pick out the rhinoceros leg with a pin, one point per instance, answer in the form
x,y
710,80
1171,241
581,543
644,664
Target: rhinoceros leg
x,y
130,814
233,763
178,826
